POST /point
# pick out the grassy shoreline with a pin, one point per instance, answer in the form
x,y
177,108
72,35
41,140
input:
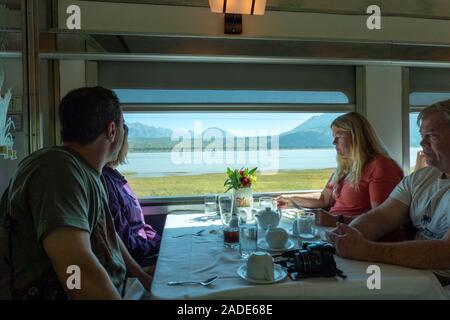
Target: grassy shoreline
x,y
213,183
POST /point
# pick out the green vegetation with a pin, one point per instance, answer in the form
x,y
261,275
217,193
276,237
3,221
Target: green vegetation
x,y
213,183
137,145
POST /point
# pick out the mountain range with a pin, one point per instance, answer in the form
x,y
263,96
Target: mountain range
x,y
313,133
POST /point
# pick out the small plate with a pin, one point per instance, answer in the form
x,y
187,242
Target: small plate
x,y
262,243
279,274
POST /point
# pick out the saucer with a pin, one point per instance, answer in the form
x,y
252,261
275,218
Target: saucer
x,y
279,274
262,243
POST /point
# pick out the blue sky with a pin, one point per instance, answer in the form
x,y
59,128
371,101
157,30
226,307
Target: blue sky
x,y
257,121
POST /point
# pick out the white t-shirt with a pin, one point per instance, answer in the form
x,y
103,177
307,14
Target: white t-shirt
x,y
428,198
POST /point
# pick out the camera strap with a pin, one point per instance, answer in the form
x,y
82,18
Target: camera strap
x,y
340,273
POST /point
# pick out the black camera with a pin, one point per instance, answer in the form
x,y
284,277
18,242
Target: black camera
x,y
313,260
316,259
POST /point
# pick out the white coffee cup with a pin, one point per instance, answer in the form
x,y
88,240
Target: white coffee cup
x,y
260,266
276,238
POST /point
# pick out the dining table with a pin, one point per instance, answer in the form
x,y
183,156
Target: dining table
x,y
192,249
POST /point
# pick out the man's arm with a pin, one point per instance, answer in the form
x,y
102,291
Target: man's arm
x,y
382,220
134,269
430,254
66,246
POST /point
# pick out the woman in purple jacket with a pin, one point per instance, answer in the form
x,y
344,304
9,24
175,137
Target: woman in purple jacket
x,y
140,238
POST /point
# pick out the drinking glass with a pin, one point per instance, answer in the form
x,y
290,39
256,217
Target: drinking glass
x,y
230,232
248,235
306,226
267,202
210,205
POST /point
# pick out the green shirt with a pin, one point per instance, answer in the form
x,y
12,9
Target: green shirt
x,y
55,188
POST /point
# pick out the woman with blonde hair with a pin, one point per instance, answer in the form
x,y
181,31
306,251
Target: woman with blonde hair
x,y
141,240
364,177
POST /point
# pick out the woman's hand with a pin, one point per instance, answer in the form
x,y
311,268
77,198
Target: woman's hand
x,y
325,219
283,201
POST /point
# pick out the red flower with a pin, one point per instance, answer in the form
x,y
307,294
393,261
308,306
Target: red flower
x,y
241,172
245,181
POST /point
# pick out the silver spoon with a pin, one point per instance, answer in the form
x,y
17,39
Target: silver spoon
x,y
198,233
203,283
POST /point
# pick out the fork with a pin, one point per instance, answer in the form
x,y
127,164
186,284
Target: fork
x,y
198,233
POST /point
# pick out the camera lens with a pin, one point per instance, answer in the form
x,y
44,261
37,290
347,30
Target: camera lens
x,y
304,262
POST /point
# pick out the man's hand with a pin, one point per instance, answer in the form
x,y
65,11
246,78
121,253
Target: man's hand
x,y
421,161
325,219
283,202
349,242
133,267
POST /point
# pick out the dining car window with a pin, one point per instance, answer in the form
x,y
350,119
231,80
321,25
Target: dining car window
x,y
426,87
173,154
186,150
414,140
421,99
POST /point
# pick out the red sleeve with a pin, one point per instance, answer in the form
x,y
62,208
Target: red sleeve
x,y
385,175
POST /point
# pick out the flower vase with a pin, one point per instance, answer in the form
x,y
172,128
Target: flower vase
x,y
244,199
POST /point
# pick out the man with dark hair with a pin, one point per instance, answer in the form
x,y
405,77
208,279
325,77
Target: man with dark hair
x,y
59,237
422,198
85,112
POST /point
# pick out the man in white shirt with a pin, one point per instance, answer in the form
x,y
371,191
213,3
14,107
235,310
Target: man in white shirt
x,y
422,198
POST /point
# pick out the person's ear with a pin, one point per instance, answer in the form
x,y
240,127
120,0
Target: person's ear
x,y
111,131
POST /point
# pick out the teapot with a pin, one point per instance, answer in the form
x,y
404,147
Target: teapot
x,y
276,238
267,217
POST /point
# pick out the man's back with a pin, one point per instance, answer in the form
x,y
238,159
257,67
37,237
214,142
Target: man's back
x,y
56,188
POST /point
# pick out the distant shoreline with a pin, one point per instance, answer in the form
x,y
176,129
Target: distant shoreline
x,y
246,150
241,150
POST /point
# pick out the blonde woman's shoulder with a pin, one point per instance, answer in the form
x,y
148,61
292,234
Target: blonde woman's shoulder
x,y
384,162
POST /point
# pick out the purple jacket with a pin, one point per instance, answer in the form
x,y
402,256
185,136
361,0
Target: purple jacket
x,y
141,240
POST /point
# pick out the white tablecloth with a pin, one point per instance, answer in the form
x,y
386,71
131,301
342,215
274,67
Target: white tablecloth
x,y
200,257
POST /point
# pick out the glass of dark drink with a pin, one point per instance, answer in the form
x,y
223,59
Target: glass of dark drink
x,y
231,237
230,225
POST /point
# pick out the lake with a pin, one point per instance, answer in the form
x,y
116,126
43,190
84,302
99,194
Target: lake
x,y
161,164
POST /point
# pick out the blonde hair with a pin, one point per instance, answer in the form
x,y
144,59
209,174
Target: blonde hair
x,y
366,145
122,156
439,107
